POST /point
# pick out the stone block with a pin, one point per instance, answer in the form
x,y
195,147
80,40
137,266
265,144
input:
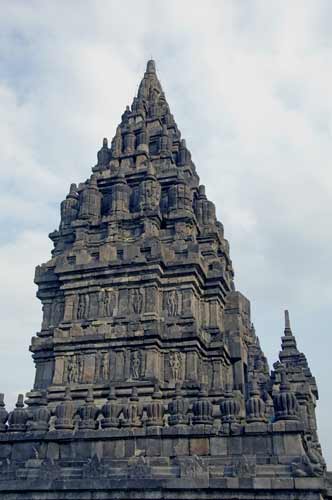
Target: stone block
x,y
153,447
167,448
257,444
114,449
278,444
309,483
53,451
278,426
66,451
97,449
235,445
24,451
199,446
246,483
262,483
282,483
293,426
82,449
129,447
5,450
218,446
293,444
232,483
255,428
180,447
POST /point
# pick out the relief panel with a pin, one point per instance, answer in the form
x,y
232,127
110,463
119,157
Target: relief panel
x,y
172,303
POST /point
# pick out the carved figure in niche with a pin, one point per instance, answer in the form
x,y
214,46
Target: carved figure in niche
x,y
46,315
175,361
75,306
80,367
86,305
71,370
58,311
101,368
80,310
97,366
149,194
113,231
172,303
101,301
109,302
68,370
135,365
136,298
75,369
183,231
104,367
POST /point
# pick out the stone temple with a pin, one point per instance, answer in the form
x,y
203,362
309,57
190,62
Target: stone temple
x,y
150,379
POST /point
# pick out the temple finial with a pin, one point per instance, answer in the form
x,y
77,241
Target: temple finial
x,y
288,330
151,66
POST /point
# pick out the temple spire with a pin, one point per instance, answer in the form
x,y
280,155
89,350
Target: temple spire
x,y
288,330
151,66
288,342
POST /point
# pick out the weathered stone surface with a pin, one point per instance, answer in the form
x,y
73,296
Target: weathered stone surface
x,y
150,379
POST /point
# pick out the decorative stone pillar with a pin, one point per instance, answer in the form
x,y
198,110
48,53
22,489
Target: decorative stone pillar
x,y
116,146
47,311
64,413
90,200
179,197
3,414
202,408
110,410
121,372
149,191
69,313
151,300
214,314
191,366
178,408
104,155
88,412
143,139
152,363
187,302
40,416
69,207
217,378
129,140
255,406
155,409
164,142
205,210
17,419
183,156
230,407
132,411
119,202
58,377
286,406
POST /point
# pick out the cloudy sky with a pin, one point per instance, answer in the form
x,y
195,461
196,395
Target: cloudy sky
x,y
249,83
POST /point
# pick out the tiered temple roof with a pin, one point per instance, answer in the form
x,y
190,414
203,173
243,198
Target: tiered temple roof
x,y
149,373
